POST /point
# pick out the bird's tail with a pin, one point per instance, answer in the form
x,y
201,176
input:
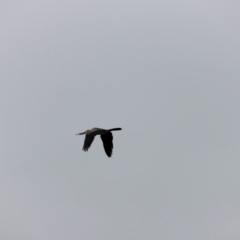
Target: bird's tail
x,y
115,129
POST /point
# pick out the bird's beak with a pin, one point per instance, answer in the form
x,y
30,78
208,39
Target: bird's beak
x,y
79,133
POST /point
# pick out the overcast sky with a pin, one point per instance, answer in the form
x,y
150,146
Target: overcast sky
x,y
167,72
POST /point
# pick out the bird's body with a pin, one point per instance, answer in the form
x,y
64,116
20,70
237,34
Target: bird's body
x,y
106,137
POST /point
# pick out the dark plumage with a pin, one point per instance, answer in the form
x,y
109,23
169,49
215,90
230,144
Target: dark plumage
x,y
106,137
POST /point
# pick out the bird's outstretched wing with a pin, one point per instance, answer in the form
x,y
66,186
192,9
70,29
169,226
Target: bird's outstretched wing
x,y
88,141
107,139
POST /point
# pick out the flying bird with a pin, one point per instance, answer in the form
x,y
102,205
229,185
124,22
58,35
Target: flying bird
x,y
106,137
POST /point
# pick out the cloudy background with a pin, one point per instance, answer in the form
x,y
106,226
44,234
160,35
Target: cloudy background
x,y
167,72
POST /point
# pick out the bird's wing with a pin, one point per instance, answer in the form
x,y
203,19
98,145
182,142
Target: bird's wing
x,y
88,141
107,139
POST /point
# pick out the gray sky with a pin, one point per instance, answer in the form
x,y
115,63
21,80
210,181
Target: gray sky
x,y
167,72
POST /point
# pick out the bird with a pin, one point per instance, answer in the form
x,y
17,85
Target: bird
x,y
106,137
